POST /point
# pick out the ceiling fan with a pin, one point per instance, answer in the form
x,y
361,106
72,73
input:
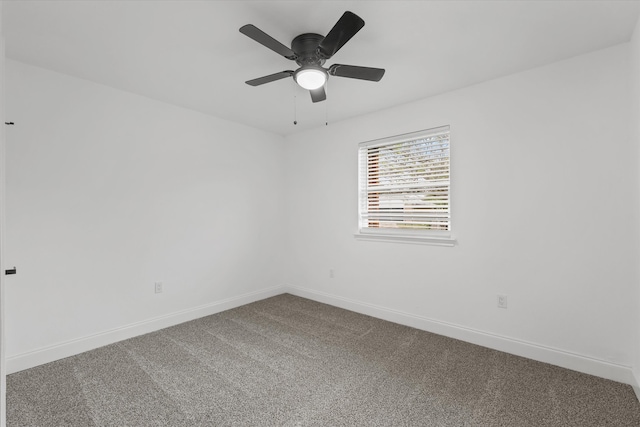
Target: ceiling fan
x,y
310,51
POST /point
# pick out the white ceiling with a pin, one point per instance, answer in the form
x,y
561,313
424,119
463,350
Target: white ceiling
x,y
190,53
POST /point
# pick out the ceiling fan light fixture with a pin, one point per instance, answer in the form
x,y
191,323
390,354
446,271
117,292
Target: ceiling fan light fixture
x,y
310,51
310,78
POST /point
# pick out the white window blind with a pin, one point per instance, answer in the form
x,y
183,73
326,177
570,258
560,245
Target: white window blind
x,y
404,182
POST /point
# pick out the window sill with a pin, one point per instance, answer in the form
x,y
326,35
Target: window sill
x,y
413,239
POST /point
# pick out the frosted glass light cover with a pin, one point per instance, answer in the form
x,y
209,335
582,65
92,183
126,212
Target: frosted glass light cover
x,y
311,78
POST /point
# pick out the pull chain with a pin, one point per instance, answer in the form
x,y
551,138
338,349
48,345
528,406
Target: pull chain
x,y
326,105
326,113
295,106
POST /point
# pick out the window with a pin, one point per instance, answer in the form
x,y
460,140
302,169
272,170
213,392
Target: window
x,y
404,187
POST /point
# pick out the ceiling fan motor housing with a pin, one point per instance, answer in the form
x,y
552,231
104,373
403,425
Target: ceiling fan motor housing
x,y
305,47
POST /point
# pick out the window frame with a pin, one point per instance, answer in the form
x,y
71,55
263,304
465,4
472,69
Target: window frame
x,y
416,236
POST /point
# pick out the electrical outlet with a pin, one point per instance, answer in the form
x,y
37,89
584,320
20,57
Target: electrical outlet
x,y
158,287
502,301
331,273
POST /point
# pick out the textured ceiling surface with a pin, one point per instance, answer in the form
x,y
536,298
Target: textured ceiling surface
x,y
191,54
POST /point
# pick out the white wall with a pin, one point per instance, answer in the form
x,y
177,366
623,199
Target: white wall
x,y
108,192
545,189
634,69
3,377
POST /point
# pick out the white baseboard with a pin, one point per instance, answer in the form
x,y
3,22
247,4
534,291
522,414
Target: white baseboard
x,y
61,350
576,362
636,386
553,356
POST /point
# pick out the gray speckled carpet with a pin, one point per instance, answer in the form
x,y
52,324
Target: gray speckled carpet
x,y
289,361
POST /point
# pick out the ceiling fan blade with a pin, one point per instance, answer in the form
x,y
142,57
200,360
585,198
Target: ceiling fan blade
x,y
354,72
318,95
265,39
270,78
346,27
